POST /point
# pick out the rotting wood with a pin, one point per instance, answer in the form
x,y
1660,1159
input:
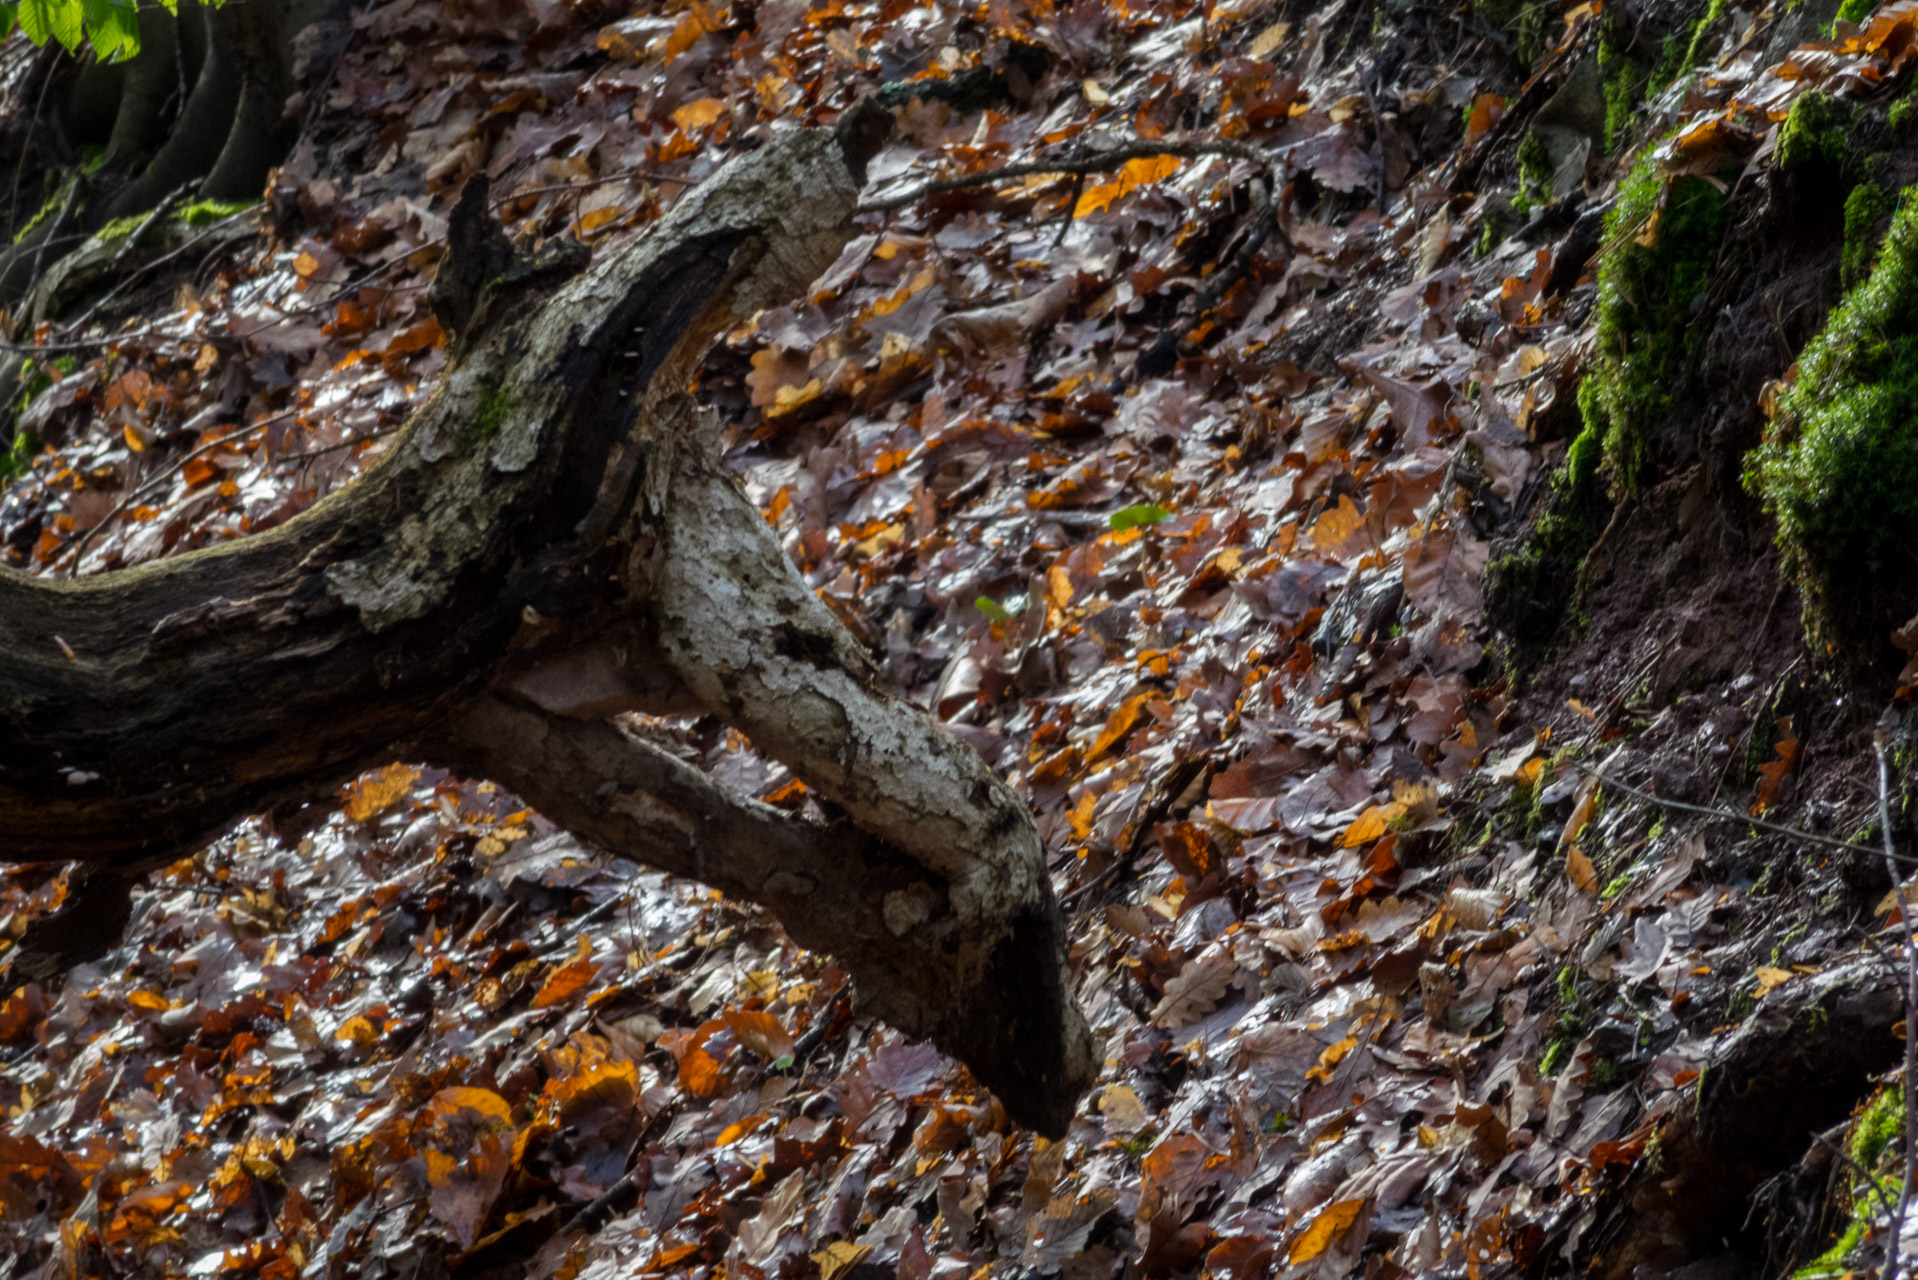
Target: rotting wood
x,y
555,481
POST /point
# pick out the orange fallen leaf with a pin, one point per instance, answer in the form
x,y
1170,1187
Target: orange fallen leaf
x,y
699,113
565,982
1772,776
1332,1222
373,795
1583,875
1119,724
761,1032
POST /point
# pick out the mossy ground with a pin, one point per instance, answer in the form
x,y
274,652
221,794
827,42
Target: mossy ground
x,y
1529,591
1872,1135
201,213
1684,47
1534,175
1623,78
1814,132
1839,467
1662,244
1866,208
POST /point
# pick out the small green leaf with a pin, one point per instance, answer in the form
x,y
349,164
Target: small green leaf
x,y
783,1063
1132,517
113,28
1000,612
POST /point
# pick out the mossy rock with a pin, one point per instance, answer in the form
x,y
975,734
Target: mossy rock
x,y
1839,466
1663,243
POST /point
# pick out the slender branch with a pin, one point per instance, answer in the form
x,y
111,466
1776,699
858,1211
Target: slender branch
x,y
81,543
1158,359
1871,1183
1097,162
1732,815
1911,1007
586,184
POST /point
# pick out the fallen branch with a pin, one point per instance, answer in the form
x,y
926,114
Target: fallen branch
x,y
553,541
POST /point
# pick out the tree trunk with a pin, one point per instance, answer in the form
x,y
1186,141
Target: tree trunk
x,y
551,541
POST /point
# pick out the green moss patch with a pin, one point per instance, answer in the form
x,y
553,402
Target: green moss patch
x,y
1624,78
1683,48
47,209
1839,467
1529,591
1534,175
1662,243
204,213
1866,208
1814,132
492,412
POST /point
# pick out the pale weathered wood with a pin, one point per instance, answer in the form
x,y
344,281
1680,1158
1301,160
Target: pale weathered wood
x,y
552,542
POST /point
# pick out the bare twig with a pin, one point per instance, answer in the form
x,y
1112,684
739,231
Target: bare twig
x,y
1911,1005
1159,358
1878,1192
586,184
1732,815
85,540
1097,162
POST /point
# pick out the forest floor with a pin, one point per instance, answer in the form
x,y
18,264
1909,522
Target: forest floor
x,y
1388,980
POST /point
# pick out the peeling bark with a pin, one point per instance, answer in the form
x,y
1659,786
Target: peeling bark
x,y
551,542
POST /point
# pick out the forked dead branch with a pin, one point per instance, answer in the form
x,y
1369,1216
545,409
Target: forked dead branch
x,y
551,543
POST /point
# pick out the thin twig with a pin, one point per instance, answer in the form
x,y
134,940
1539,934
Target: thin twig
x,y
81,544
128,280
1732,815
1160,358
1877,1191
1097,162
1911,1007
585,184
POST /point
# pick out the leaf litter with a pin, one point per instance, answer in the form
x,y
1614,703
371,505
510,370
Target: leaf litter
x,y
1220,627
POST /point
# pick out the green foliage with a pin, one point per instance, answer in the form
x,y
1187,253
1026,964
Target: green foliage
x,y
110,27
492,412
1839,469
1646,338
120,228
1866,206
1884,1120
1903,112
1852,11
1623,77
1815,130
1534,175
201,213
998,612
1132,517
1871,1136
1683,47
19,456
